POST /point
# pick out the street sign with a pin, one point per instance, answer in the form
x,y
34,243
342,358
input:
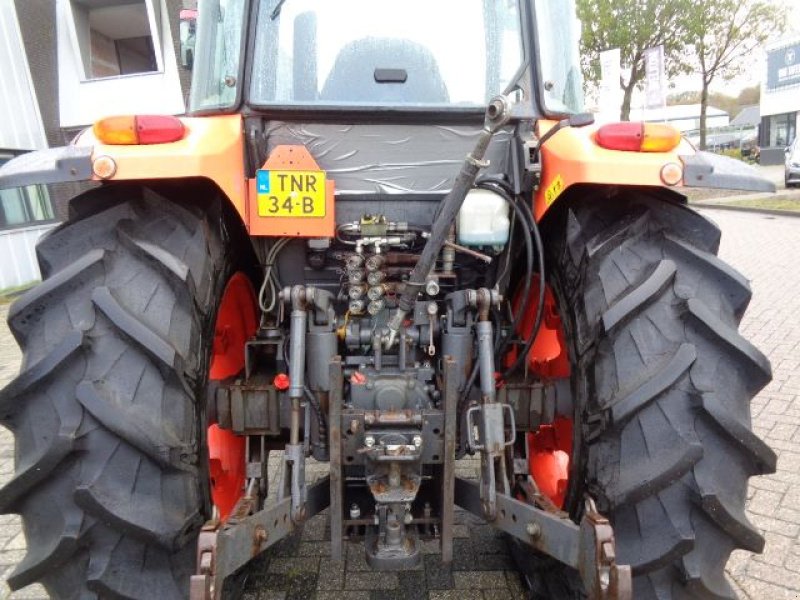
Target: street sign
x,y
610,92
783,67
655,77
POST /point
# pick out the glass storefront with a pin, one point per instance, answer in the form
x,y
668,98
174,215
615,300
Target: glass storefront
x,y
778,131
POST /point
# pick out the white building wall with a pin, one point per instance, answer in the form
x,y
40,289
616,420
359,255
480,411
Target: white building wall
x,y
18,264
83,101
781,100
21,125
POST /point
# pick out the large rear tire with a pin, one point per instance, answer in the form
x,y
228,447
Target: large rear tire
x,y
108,410
662,382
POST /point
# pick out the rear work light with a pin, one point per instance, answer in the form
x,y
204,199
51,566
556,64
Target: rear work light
x,y
638,137
140,129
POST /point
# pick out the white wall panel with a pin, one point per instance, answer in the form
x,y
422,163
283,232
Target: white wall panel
x,y
21,125
18,254
83,101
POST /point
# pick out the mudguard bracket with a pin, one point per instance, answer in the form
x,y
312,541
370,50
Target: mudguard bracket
x,y
54,165
708,170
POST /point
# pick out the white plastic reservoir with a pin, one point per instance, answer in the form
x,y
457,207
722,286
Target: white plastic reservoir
x,y
483,220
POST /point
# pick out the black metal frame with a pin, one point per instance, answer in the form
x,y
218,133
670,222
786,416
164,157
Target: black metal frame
x,y
336,475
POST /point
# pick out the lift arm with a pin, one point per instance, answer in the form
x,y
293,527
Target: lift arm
x,y
588,548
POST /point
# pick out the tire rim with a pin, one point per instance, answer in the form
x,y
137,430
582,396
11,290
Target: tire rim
x,y
236,322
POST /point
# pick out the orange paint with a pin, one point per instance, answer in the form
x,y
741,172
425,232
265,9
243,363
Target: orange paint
x,y
292,158
237,321
572,157
212,148
549,446
549,454
548,356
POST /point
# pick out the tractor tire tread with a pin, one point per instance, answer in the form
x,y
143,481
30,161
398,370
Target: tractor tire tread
x,y
24,312
663,381
104,410
630,305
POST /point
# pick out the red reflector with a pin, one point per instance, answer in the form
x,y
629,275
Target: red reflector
x,y
621,136
638,137
281,382
156,129
142,129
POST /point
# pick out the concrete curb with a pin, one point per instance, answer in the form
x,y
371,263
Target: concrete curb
x,y
747,209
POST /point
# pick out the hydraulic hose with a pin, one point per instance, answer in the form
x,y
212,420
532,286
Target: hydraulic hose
x,y
537,238
526,290
532,235
497,115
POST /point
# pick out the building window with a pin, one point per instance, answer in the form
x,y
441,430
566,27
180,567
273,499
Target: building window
x,y
116,37
25,205
779,130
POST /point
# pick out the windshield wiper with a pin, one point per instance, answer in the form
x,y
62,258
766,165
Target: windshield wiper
x,y
277,10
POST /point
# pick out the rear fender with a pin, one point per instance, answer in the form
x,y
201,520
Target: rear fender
x,y
194,194
212,149
572,157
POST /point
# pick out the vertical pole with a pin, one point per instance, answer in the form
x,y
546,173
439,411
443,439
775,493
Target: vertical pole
x,y
335,429
449,458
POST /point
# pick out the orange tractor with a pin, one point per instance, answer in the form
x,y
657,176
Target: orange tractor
x,y
383,248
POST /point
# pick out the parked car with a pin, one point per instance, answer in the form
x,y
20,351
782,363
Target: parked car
x,y
792,177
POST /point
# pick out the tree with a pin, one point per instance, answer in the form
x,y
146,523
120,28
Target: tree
x,y
749,96
725,34
632,26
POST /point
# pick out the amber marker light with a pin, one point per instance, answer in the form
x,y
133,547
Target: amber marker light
x,y
139,130
671,174
104,167
638,137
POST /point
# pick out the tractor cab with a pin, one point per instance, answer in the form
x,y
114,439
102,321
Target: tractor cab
x,y
446,57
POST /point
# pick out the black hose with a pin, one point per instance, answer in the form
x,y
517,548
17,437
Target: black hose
x,y
528,225
537,237
522,220
322,419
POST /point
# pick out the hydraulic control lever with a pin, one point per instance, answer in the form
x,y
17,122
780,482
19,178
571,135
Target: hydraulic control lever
x,y
498,114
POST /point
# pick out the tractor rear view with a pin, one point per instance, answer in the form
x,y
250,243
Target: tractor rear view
x,y
383,245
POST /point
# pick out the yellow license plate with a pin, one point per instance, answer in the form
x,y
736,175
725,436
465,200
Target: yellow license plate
x,y
290,193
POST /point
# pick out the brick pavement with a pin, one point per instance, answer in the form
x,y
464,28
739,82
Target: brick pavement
x,y
767,250
764,248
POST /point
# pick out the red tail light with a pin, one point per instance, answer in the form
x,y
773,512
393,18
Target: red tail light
x,y
638,137
141,129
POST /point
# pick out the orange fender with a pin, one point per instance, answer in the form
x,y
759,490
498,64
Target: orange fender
x,y
213,147
573,157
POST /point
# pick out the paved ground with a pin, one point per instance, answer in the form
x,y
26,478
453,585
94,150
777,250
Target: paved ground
x,y
766,249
